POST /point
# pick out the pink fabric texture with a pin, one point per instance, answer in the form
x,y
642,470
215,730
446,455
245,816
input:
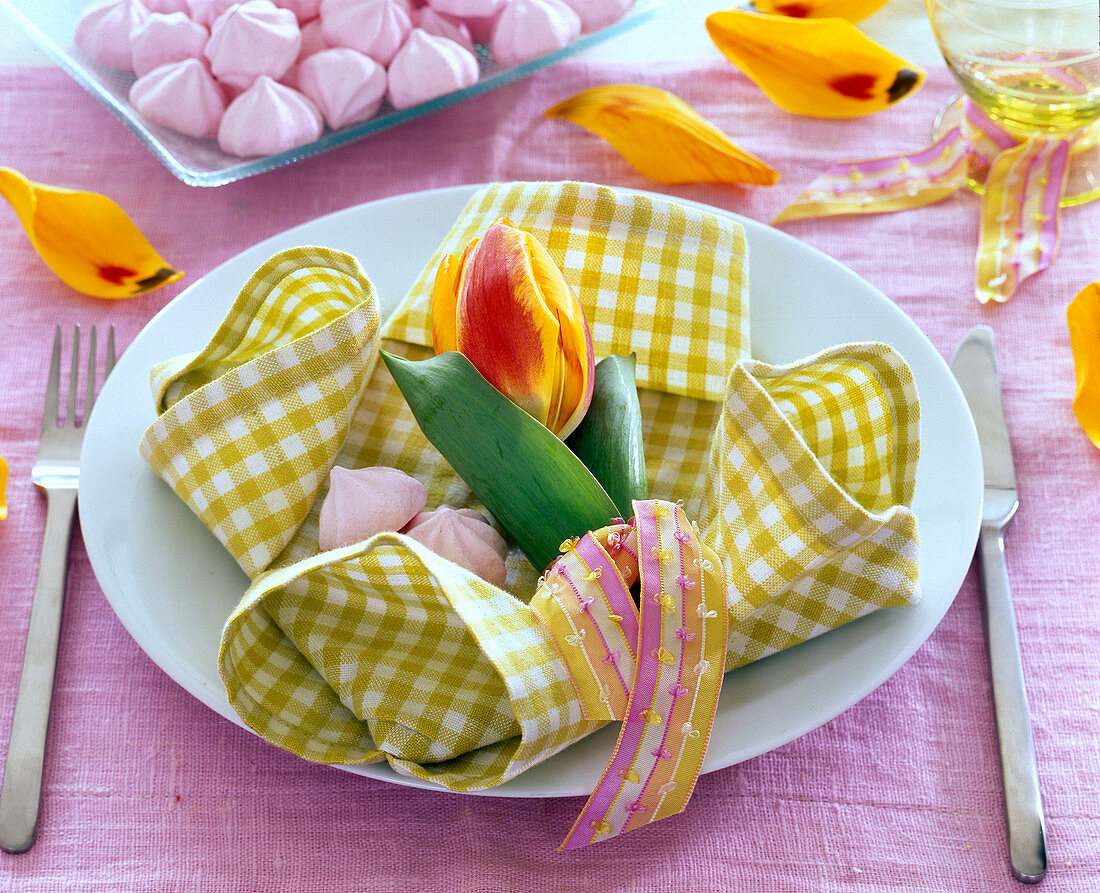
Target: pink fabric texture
x,y
148,790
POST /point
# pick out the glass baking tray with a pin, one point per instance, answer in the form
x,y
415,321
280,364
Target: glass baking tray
x,y
199,162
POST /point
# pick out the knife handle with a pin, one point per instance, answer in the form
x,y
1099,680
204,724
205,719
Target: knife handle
x,y
1023,806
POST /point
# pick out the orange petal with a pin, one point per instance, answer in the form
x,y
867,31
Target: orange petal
x,y
578,366
503,325
825,68
849,10
1083,318
662,136
3,488
86,239
445,304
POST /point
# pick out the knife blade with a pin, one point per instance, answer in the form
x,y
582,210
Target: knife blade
x,y
975,368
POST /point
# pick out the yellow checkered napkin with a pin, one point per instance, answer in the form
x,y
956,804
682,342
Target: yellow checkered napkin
x,y
655,278
800,477
809,490
249,427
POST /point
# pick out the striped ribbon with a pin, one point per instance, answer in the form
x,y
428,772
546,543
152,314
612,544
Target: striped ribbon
x,y
655,664
1024,184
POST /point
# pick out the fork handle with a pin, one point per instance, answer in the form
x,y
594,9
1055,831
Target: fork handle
x,y
1019,772
21,791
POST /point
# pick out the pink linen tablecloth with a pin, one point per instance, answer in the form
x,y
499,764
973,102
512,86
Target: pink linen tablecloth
x,y
148,790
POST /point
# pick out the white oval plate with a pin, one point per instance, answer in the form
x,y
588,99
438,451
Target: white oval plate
x,y
172,584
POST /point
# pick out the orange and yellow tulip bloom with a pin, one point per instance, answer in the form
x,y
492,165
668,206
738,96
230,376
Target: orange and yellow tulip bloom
x,y
506,306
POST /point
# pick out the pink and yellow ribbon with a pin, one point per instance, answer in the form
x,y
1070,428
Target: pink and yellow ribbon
x,y
657,668
1024,181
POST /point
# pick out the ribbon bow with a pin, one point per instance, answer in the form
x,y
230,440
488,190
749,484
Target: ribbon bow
x,y
1024,182
633,664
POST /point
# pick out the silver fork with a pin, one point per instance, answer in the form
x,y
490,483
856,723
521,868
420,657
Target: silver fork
x,y
56,471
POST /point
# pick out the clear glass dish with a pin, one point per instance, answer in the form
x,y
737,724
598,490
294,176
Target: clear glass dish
x,y
199,162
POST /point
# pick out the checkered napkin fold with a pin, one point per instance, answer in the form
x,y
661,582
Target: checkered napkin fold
x,y
784,509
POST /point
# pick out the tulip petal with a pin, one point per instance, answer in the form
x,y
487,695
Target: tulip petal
x,y
662,137
504,327
849,10
86,239
3,488
1083,318
825,68
445,304
577,369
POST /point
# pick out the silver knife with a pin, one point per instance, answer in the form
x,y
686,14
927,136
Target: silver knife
x,y
975,367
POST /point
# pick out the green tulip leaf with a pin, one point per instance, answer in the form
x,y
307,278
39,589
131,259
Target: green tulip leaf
x,y
609,439
538,491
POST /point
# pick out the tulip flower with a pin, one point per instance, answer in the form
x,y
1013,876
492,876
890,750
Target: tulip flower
x,y
506,306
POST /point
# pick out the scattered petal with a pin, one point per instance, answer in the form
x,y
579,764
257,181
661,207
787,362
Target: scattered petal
x,y
1083,318
825,68
850,10
86,239
662,136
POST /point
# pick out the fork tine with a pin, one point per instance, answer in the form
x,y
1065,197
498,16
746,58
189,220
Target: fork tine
x,y
53,385
110,351
89,384
70,408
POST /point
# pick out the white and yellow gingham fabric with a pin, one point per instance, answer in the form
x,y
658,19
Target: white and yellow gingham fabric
x,y
809,490
383,650
249,427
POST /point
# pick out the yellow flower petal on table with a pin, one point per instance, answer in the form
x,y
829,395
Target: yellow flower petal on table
x,y
3,488
86,239
850,10
1083,318
662,136
824,68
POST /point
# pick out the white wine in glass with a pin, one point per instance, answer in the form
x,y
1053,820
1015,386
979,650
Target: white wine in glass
x,y
1032,66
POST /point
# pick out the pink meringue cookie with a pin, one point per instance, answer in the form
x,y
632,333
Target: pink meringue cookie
x,y
253,39
164,38
303,9
427,67
167,6
347,86
206,11
313,41
364,501
479,16
103,32
377,28
464,537
474,9
597,14
182,95
528,29
441,25
268,117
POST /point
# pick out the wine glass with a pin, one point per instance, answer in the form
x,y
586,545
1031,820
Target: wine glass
x,y
1032,66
